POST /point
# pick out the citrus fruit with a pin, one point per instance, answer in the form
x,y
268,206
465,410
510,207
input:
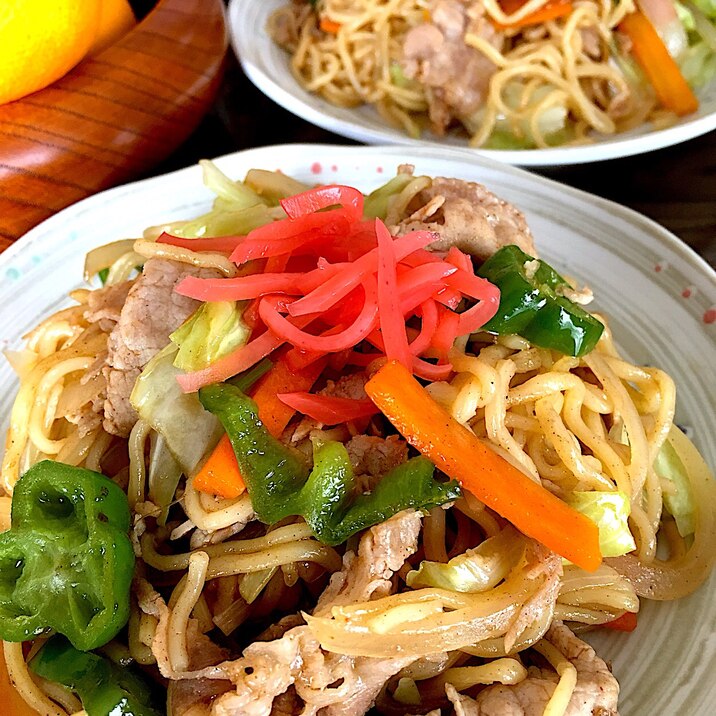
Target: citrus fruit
x,y
41,40
115,18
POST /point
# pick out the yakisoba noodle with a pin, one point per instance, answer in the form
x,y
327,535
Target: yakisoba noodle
x,y
497,393
591,424
553,65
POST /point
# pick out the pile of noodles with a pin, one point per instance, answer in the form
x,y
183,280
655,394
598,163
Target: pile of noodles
x,y
562,65
590,423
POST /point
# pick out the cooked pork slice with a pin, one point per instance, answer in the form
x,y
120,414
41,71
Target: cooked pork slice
x,y
373,456
382,551
596,692
104,305
279,628
151,312
193,697
469,216
103,309
326,683
548,566
347,386
456,76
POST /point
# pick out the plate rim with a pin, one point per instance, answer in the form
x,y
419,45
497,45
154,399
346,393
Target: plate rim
x,y
616,148
686,252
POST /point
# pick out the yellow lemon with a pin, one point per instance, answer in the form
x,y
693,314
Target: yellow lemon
x,y
115,19
41,40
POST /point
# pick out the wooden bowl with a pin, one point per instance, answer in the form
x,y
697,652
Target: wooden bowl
x,y
113,116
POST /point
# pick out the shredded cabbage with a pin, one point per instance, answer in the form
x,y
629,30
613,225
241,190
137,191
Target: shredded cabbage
x,y
377,202
707,7
551,122
239,207
477,570
253,583
164,475
189,430
679,501
399,78
610,511
221,222
698,60
406,692
214,330
272,186
698,65
235,193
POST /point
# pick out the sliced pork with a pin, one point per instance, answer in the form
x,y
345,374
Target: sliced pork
x,y
469,216
326,683
383,550
151,312
104,306
596,692
456,77
372,457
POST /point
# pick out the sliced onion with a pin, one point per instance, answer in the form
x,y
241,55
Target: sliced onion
x,y
468,619
674,579
104,256
444,632
164,475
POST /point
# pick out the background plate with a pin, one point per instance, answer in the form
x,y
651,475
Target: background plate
x,y
659,295
267,66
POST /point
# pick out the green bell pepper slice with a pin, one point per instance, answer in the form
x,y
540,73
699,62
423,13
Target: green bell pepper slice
x,y
272,472
104,688
280,485
531,305
66,563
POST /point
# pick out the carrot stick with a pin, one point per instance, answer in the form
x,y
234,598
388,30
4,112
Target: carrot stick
x,y
549,11
461,455
329,26
626,622
220,475
664,74
283,378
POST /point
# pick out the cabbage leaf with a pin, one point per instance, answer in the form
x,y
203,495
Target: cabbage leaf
x,y
476,570
698,61
235,193
377,202
707,7
213,331
610,512
678,501
189,430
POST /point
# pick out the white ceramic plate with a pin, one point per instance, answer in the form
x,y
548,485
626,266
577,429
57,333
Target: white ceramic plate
x,y
661,298
267,66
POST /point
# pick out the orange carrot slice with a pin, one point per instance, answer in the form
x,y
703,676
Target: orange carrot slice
x,y
220,475
626,622
551,10
461,455
329,26
662,71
